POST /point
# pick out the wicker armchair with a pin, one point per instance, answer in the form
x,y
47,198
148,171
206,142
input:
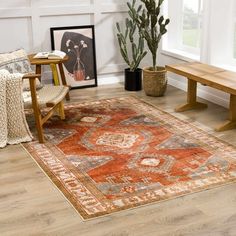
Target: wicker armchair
x,y
49,96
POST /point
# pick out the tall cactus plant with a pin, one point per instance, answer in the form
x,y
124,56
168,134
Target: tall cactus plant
x,y
151,24
128,39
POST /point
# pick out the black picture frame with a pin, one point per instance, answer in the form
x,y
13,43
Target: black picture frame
x,y
78,42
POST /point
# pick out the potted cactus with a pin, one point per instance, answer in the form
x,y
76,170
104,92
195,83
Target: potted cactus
x,y
152,26
132,49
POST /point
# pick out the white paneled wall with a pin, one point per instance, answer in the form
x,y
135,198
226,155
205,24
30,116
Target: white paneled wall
x,y
26,24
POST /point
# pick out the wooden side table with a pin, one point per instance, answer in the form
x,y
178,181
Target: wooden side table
x,y
53,64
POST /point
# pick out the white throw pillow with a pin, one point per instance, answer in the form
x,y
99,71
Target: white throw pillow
x,y
18,62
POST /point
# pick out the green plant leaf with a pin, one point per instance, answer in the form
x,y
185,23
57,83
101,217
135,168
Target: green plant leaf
x,y
161,19
129,5
167,21
126,33
153,21
118,26
139,8
160,2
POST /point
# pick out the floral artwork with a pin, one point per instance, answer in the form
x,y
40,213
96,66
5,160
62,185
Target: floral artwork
x,y
78,69
79,45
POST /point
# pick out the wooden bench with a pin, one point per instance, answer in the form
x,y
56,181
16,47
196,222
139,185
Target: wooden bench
x,y
211,76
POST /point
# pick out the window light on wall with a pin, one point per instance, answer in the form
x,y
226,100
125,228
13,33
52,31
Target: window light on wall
x,y
201,30
191,23
184,31
234,41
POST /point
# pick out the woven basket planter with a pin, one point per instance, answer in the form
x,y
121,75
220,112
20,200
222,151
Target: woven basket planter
x,y
154,82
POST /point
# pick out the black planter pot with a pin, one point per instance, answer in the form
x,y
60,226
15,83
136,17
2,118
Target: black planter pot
x,y
133,79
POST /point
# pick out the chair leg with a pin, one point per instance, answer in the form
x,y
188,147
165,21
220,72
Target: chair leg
x,y
37,113
61,110
40,135
55,74
39,127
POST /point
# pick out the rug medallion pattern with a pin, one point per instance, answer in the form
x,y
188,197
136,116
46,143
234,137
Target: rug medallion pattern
x,y
121,153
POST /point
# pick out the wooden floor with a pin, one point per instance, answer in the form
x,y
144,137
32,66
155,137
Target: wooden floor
x,y
31,205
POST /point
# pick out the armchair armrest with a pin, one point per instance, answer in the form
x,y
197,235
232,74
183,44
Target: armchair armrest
x,y
32,80
31,76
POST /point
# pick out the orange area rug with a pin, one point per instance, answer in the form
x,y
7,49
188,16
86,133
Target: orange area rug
x,y
120,153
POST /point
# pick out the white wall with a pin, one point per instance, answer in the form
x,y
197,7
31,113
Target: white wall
x,y
26,23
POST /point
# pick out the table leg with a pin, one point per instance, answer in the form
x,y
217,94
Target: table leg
x,y
191,98
63,79
231,124
55,74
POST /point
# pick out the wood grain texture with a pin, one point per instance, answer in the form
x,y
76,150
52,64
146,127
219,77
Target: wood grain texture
x,y
31,205
211,76
192,102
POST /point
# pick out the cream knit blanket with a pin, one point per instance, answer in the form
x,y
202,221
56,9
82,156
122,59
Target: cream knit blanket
x,y
13,125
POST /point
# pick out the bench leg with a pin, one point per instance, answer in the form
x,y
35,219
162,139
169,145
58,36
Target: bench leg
x,y
231,124
191,98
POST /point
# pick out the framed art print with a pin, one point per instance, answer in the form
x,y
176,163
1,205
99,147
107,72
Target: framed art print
x,y
78,42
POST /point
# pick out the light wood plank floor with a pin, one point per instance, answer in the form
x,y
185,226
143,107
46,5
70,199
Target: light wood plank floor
x,y
31,205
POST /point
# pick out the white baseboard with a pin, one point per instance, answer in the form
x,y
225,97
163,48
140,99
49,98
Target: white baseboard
x,y
110,79
201,92
101,79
